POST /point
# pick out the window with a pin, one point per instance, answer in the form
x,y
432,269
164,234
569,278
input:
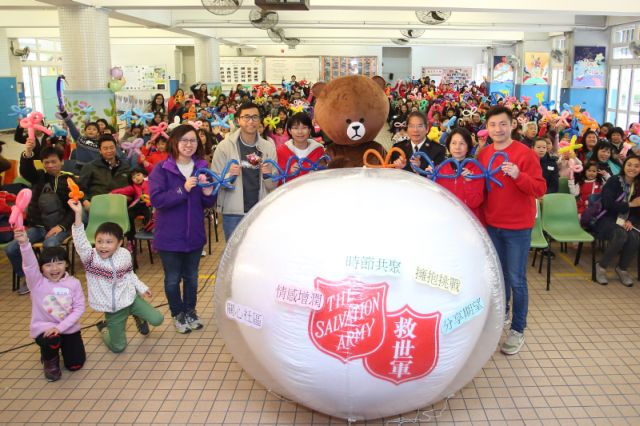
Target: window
x,y
44,59
623,101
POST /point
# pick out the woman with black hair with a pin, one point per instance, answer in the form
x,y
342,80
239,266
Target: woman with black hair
x,y
620,223
469,191
301,145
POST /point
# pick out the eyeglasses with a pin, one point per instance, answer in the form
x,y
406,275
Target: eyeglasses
x,y
188,141
250,117
415,126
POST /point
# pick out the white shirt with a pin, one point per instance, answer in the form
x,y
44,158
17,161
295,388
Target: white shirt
x,y
418,146
186,169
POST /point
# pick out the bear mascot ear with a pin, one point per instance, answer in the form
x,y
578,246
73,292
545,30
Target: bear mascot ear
x,y
379,81
318,89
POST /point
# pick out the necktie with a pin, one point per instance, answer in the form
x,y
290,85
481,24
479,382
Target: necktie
x,y
415,149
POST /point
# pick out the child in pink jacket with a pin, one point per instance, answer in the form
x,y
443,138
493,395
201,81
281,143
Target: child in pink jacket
x,y
137,194
57,303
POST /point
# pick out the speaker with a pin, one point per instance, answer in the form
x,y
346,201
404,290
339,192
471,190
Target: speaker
x,y
390,76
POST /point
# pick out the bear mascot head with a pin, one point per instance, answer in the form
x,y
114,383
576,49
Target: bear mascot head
x,y
351,111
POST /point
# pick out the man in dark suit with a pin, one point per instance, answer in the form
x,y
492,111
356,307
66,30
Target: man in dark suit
x,y
417,132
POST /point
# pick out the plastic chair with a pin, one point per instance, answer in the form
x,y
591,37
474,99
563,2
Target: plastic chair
x,y
107,208
539,243
141,236
563,186
560,222
23,181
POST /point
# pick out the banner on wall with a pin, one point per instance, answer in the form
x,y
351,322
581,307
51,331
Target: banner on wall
x,y
458,76
536,68
502,70
589,66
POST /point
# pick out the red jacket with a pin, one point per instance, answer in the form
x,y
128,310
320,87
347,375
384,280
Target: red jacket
x,y
514,205
286,151
133,192
586,189
152,159
469,191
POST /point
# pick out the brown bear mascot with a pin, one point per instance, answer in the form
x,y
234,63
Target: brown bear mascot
x,y
351,111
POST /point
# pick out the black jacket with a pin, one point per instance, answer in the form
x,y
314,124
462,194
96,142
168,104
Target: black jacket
x,y
39,179
435,151
97,177
550,172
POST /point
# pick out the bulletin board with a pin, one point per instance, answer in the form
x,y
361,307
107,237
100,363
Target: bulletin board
x,y
145,77
342,66
304,68
241,70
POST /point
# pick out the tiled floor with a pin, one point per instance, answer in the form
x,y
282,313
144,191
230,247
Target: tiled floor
x,y
580,365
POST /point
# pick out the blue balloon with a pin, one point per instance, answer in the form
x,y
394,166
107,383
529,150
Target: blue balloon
x,y
216,180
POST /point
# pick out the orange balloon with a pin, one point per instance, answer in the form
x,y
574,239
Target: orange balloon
x,y
384,163
75,194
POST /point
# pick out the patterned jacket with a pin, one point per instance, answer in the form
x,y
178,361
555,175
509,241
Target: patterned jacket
x,y
111,283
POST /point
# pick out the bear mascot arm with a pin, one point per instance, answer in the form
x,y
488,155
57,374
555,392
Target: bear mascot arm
x,y
351,111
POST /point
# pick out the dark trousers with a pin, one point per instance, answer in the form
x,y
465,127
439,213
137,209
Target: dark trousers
x,y
181,266
621,242
70,345
139,209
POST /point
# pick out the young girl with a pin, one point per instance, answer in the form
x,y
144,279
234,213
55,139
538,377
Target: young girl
x,y
57,305
301,144
137,194
548,164
280,135
587,183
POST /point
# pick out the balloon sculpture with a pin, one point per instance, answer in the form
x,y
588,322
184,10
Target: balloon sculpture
x,y
16,219
366,324
74,190
570,147
117,79
133,147
32,123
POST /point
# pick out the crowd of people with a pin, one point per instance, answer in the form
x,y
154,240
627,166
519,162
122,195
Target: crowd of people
x,y
157,165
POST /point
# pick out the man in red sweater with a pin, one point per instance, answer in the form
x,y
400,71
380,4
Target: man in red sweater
x,y
510,213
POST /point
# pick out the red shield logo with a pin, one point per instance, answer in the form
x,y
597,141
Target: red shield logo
x,y
351,323
410,348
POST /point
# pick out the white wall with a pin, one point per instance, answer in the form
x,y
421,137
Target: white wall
x,y
188,67
151,54
396,61
444,56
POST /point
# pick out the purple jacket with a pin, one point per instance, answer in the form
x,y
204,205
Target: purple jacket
x,y
179,214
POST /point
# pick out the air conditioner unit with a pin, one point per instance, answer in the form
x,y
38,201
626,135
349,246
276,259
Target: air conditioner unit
x,y
283,4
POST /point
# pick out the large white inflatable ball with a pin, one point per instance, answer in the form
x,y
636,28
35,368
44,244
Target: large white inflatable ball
x,y
360,293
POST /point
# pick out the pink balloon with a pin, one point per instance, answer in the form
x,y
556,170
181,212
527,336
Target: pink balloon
x,y
17,211
116,72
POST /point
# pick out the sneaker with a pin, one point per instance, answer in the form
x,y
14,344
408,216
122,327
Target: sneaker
x,y
142,325
23,290
601,275
513,344
204,253
625,277
193,321
52,369
181,324
101,325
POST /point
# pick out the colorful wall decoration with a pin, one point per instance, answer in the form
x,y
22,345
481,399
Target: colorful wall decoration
x,y
502,70
589,66
536,68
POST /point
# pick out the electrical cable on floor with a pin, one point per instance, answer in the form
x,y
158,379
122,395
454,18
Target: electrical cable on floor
x,y
200,287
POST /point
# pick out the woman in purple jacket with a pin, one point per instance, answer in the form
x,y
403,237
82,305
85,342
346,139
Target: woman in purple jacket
x,y
179,231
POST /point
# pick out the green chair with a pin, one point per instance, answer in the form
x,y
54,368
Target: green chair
x,y
560,222
563,186
20,179
539,243
107,208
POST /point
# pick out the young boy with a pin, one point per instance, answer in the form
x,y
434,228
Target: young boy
x,y
112,285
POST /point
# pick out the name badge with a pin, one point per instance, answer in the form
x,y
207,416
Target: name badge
x,y
551,168
61,291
